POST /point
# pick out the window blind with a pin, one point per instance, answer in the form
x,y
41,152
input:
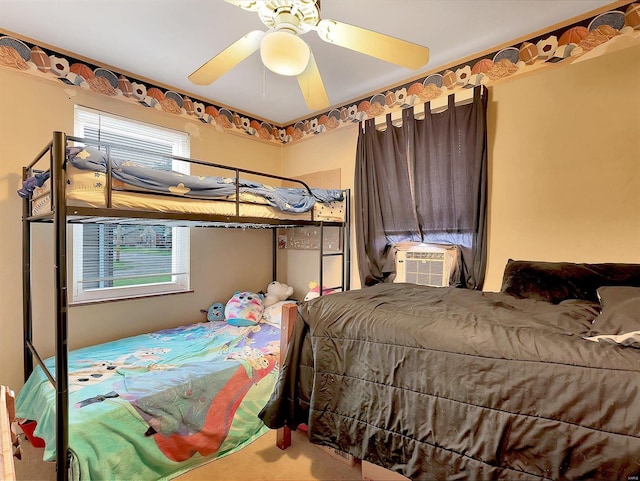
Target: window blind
x,y
121,261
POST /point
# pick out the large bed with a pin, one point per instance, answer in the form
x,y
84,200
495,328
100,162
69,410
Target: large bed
x,y
538,381
154,406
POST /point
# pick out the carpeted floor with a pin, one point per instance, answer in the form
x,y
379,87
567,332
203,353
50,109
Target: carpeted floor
x,y
260,461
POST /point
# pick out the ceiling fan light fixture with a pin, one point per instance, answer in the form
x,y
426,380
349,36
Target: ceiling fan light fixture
x,y
284,53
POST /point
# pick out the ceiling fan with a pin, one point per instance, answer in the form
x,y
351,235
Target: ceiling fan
x,y
284,52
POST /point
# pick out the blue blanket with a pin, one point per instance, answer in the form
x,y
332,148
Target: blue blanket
x,y
207,187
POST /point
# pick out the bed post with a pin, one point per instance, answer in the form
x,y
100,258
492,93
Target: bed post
x,y
274,254
27,321
289,314
321,268
58,153
346,244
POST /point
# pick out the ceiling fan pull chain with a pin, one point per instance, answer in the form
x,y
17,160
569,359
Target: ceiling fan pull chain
x,y
264,81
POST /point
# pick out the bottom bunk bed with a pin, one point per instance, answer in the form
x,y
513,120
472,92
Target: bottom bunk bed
x,y
539,381
156,405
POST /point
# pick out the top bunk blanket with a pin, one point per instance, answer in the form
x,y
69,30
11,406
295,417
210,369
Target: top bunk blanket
x,y
447,383
129,175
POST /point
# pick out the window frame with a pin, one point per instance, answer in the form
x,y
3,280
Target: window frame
x,y
180,255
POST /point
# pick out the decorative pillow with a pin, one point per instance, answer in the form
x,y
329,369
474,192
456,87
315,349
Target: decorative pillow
x,y
620,312
87,158
557,281
244,309
272,314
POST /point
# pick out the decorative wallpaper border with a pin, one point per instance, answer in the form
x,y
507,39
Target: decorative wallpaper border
x,y
557,46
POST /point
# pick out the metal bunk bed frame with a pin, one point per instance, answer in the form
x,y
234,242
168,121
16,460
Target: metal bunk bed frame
x,y
61,215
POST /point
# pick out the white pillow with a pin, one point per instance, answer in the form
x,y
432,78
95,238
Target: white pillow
x,y
272,314
631,339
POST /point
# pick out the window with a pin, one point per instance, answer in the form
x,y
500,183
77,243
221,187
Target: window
x,y
122,261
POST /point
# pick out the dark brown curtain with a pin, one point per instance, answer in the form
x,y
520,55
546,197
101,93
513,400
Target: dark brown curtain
x,y
450,172
446,156
383,200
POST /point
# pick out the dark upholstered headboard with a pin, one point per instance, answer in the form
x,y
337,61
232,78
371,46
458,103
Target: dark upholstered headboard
x,y
557,281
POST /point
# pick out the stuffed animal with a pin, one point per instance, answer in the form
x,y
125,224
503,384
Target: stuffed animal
x,y
277,292
314,291
215,312
244,309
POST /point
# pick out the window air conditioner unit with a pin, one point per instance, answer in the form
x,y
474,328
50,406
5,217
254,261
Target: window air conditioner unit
x,y
425,264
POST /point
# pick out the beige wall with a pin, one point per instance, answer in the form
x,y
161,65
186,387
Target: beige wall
x,y
564,185
222,260
564,165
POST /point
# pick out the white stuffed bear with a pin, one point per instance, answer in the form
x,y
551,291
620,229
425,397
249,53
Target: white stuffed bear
x,y
277,292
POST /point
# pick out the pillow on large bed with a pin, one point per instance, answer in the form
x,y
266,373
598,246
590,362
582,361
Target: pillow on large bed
x,y
620,311
557,281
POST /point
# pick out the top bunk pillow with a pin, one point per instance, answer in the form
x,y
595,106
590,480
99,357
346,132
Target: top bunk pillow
x,y
557,281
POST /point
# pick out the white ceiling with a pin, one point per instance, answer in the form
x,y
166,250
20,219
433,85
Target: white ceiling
x,y
166,40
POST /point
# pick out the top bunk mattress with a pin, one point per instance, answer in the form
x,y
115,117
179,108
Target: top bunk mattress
x,y
137,187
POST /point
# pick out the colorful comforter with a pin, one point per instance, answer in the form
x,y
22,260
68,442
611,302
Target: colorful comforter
x,y
156,405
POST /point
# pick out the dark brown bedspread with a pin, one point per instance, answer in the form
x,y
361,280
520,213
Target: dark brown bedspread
x,y
446,383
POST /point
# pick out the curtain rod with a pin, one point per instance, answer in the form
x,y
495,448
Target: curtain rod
x,y
439,104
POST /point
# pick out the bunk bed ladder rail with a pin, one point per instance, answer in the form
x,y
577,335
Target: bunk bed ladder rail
x,y
27,314
62,368
344,251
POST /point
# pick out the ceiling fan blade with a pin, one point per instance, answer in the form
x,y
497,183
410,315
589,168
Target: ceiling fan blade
x,y
312,87
384,47
227,59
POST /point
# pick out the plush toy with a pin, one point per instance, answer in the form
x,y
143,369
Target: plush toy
x,y
244,309
314,291
277,292
215,312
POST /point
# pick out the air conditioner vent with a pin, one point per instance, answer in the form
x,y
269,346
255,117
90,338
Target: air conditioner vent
x,y
425,265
